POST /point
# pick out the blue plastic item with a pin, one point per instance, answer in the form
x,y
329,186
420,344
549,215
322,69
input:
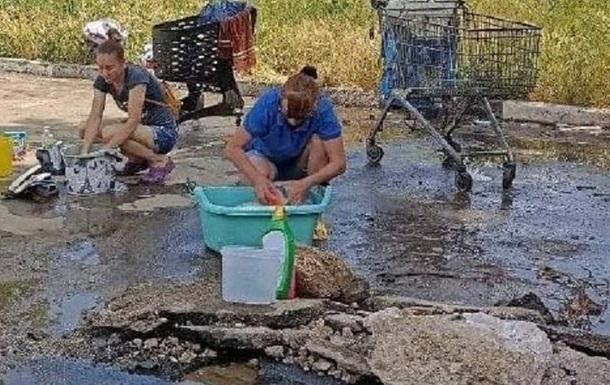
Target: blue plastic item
x,y
218,11
229,217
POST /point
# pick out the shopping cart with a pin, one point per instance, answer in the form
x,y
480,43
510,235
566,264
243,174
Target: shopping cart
x,y
440,62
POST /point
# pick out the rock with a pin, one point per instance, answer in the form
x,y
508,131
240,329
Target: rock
x,y
344,358
340,341
295,338
276,351
187,357
443,349
114,339
38,335
347,333
251,337
196,348
151,343
146,365
323,274
533,302
334,373
253,363
570,367
348,379
341,321
137,342
322,365
288,360
209,353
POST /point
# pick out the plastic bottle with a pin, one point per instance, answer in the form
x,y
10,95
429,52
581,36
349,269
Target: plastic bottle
x,y
279,236
47,138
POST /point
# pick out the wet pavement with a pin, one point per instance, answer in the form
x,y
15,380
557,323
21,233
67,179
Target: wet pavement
x,y
412,234
400,224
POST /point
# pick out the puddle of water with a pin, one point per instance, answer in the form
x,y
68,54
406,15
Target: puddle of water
x,y
62,371
270,373
56,371
82,252
232,374
70,310
274,373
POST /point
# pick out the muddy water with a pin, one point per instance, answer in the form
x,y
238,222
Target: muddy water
x,y
56,371
72,372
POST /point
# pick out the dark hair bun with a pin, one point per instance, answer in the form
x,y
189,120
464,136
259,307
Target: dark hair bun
x,y
310,71
114,34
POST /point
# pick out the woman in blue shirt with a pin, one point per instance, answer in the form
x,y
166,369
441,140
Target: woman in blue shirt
x,y
291,134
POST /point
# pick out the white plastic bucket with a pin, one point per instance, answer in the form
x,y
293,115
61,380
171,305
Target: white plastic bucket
x,y
249,275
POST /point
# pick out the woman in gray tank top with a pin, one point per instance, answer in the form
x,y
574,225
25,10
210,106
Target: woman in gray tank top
x,y
149,133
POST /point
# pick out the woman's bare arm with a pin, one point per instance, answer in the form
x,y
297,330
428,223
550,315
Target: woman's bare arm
x,y
94,122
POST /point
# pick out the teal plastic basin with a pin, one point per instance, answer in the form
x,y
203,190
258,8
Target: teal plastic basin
x,y
226,221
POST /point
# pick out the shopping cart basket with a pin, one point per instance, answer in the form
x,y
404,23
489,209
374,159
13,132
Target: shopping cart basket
x,y
189,50
439,54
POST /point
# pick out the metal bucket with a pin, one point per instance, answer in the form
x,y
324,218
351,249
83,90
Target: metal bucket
x,y
89,174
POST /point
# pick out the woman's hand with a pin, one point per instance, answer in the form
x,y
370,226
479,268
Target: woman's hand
x,y
297,191
267,193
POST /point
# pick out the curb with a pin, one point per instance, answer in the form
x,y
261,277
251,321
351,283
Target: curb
x,y
511,110
552,114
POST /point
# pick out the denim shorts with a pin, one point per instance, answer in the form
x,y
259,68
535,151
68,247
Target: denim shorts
x,y
164,139
284,171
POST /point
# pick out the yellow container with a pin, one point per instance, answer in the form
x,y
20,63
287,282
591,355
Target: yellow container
x,y
6,156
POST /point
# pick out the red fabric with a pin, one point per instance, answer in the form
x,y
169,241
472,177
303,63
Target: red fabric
x,y
237,40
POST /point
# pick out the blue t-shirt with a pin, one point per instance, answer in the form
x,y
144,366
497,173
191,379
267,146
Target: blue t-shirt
x,y
152,114
276,139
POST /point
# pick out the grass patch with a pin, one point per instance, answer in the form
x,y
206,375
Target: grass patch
x,y
38,315
12,291
332,34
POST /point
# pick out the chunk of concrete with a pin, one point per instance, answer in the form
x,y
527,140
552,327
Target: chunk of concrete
x,y
344,358
456,349
570,367
423,307
341,321
254,337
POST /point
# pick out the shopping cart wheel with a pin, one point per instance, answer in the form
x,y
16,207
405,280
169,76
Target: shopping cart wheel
x,y
374,153
463,181
508,175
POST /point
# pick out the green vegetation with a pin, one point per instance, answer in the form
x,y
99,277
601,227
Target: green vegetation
x,y
11,291
332,34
